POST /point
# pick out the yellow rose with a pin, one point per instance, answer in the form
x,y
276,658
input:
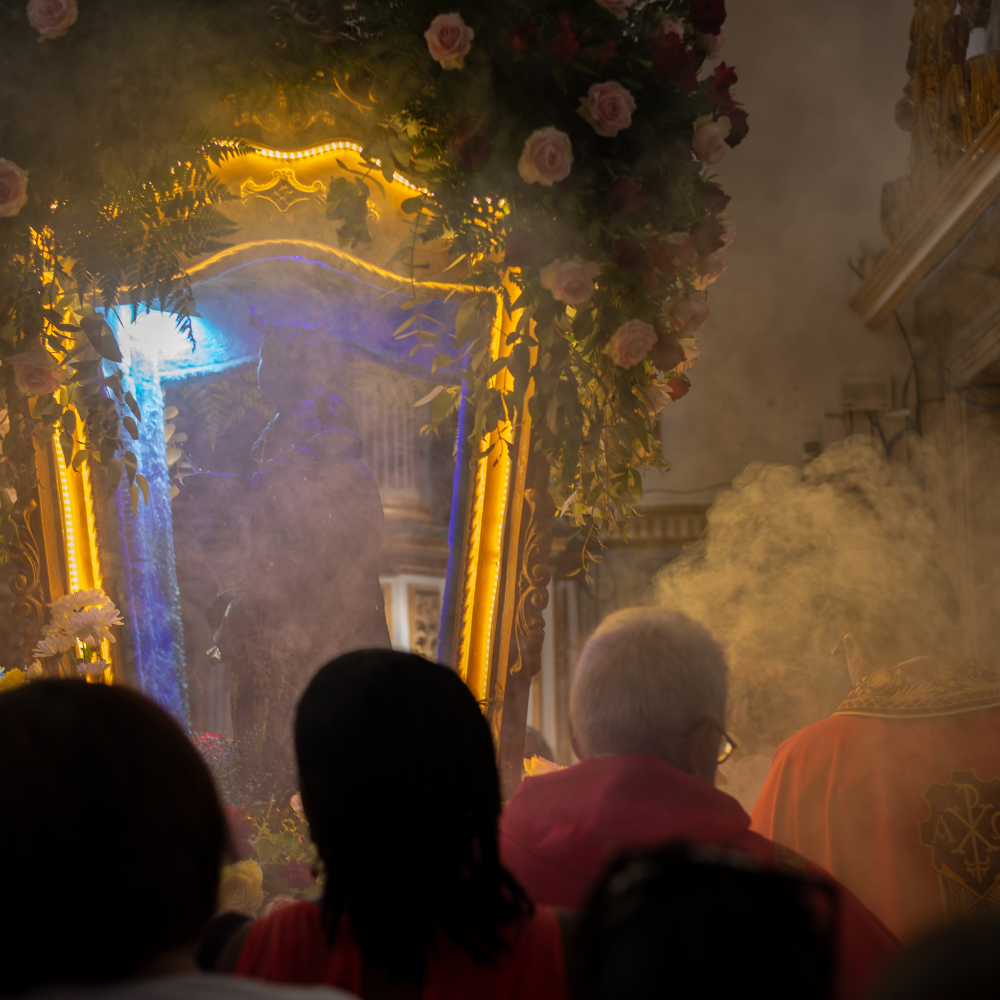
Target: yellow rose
x,y
241,888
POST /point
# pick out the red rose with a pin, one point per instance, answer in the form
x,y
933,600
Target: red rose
x,y
606,53
630,257
564,45
707,15
674,62
708,236
519,248
714,199
739,127
723,78
296,875
524,37
473,146
666,352
677,387
626,196
240,832
661,258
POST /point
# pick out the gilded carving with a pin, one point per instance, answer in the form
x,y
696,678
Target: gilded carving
x,y
284,189
533,595
26,582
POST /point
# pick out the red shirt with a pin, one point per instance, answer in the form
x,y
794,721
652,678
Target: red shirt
x,y
885,805
560,830
290,947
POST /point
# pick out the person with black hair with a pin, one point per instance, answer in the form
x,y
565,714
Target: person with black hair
x,y
700,923
400,787
113,839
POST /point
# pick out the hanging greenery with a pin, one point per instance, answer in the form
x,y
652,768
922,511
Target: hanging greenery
x,y
566,143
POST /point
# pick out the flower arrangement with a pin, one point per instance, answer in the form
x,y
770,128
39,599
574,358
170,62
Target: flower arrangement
x,y
274,866
80,623
568,145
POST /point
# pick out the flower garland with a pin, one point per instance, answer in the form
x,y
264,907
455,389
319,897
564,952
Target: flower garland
x,y
567,146
567,143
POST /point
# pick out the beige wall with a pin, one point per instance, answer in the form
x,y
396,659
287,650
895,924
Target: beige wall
x,y
820,79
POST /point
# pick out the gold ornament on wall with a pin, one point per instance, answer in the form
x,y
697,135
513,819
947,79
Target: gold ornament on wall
x,y
284,190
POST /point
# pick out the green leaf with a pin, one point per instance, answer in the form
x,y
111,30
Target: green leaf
x,y
78,459
411,205
265,849
104,343
133,406
440,361
130,465
131,427
114,473
133,493
140,481
467,321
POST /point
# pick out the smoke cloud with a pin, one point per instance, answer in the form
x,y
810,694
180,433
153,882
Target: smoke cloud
x,y
793,559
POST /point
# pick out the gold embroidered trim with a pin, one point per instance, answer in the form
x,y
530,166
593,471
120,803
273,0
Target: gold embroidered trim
x,y
925,688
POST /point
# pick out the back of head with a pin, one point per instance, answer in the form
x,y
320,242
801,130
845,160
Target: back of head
x,y
110,827
400,786
644,676
700,924
961,960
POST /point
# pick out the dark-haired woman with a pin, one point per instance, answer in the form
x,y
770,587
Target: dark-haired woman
x,y
401,792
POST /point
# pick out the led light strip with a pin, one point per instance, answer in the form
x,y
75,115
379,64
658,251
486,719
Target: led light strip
x,y
69,529
304,154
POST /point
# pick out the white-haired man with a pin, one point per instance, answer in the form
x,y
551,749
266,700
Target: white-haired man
x,y
647,712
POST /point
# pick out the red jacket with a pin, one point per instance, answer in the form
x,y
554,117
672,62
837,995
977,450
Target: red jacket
x,y
560,830
290,946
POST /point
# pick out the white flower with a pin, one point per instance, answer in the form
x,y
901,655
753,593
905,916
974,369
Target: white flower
x,y
36,671
631,343
666,26
728,234
709,140
93,669
688,315
691,354
655,396
449,39
12,493
714,43
617,7
91,625
710,269
547,157
51,18
13,188
607,107
570,281
53,645
63,606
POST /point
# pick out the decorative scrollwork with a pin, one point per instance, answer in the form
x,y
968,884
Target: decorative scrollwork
x,y
533,595
26,583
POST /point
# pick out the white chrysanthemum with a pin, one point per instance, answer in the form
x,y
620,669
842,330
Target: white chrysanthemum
x,y
36,671
63,606
91,625
53,645
91,669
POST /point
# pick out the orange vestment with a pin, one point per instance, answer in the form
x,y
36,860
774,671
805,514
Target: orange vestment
x,y
898,794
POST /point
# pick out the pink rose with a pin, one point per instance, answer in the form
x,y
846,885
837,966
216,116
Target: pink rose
x,y
547,157
51,18
714,43
607,107
631,343
666,26
13,188
688,315
37,373
449,39
617,7
691,354
709,140
570,281
710,269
